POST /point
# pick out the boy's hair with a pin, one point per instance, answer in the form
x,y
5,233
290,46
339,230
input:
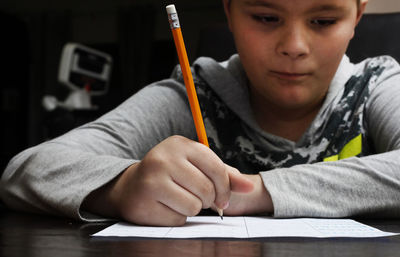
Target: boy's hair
x,y
358,2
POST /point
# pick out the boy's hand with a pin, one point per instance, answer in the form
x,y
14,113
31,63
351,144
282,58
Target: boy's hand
x,y
176,179
256,201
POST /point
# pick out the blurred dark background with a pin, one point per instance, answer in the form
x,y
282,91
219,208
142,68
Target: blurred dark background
x,y
136,33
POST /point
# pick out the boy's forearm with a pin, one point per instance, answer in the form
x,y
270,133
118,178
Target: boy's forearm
x,y
367,186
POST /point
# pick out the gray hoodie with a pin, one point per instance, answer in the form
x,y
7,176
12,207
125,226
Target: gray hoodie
x,y
347,163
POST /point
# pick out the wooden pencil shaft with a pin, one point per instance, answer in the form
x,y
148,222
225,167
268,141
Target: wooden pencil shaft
x,y
190,88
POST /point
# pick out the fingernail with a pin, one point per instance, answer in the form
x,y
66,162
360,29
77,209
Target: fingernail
x,y
226,205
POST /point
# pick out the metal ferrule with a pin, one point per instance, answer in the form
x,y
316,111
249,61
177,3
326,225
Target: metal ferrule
x,y
173,21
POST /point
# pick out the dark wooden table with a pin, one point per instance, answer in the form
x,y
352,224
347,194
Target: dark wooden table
x,y
26,235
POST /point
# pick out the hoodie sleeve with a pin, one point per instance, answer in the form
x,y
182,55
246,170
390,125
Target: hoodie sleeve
x,y
366,186
56,176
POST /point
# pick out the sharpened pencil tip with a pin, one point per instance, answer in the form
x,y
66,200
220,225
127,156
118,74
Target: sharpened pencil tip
x,y
220,213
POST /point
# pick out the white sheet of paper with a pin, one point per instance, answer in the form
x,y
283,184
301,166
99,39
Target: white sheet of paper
x,y
248,227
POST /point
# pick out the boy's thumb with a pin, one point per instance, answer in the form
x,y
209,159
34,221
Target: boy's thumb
x,y
239,182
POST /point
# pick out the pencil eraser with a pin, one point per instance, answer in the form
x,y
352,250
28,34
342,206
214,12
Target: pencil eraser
x,y
171,9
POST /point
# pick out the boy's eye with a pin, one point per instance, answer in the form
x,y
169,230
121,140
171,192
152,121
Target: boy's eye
x,y
266,19
323,22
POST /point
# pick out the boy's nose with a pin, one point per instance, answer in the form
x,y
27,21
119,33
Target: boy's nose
x,y
293,43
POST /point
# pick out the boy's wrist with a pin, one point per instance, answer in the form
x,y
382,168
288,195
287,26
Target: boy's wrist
x,y
257,201
260,199
104,200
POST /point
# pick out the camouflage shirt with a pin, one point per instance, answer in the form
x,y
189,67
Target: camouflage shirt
x,y
341,133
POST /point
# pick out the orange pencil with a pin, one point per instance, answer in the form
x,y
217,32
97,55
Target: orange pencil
x,y
188,78
187,74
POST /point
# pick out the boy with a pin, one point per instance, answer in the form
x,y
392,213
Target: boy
x,y
311,133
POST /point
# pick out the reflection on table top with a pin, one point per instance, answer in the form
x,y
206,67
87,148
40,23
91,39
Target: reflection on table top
x,y
26,235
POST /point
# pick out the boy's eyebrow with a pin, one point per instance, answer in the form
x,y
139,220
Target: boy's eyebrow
x,y
317,8
263,4
326,7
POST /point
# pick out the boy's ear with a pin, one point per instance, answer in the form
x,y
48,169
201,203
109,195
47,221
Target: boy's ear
x,y
227,12
360,12
363,4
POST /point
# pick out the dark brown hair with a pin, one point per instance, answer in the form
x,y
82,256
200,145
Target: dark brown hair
x,y
358,2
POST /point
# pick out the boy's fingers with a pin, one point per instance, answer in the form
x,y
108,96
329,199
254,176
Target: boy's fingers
x,y
180,200
238,182
209,163
158,215
196,182
225,178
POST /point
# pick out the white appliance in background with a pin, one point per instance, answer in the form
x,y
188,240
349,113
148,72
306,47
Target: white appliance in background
x,y
86,72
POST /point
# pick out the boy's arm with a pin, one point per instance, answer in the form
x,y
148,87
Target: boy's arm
x,y
368,186
56,176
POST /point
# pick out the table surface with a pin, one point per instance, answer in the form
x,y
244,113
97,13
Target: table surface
x,y
26,235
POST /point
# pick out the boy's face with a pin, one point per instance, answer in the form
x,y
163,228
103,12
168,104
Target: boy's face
x,y
291,49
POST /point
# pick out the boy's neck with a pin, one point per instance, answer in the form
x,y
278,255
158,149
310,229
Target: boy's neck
x,y
287,123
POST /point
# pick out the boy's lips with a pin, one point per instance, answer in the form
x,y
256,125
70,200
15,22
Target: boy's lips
x,y
290,75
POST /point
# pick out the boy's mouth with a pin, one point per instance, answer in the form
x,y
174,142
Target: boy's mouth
x,y
290,75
